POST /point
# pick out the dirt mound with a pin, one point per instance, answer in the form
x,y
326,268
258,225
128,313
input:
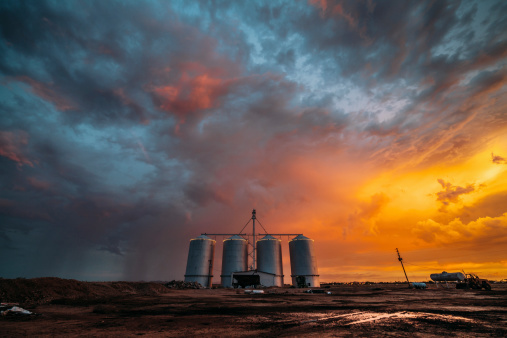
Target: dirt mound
x,y
56,290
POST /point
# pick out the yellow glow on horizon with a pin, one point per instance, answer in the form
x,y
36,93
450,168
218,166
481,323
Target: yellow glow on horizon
x,y
358,214
417,189
410,215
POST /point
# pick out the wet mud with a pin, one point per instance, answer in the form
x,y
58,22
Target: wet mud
x,y
359,311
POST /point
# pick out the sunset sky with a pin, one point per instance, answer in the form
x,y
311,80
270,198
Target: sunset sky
x,y
129,127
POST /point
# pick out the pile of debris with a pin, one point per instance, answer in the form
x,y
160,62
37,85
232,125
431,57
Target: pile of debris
x,y
178,284
318,291
9,309
46,290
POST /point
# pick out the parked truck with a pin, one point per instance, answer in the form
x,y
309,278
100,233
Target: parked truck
x,y
462,280
472,281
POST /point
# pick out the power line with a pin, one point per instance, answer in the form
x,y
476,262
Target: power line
x,y
245,225
262,226
424,267
441,255
469,254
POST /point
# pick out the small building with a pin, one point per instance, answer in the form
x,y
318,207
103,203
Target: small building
x,y
253,278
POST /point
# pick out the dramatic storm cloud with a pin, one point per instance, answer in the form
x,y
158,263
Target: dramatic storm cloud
x,y
129,127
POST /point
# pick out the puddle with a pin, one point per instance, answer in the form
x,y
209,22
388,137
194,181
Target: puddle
x,y
332,317
369,317
473,308
355,318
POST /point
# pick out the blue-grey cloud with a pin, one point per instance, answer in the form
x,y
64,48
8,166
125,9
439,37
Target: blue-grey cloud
x,y
124,126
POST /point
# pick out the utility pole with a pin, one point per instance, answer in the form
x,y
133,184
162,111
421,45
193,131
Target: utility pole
x,y
254,266
401,261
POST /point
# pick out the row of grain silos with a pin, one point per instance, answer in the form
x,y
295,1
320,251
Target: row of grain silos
x,y
269,261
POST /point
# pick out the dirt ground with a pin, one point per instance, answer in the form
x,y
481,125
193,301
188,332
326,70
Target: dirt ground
x,y
359,311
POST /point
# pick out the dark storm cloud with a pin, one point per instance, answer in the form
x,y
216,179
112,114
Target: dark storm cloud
x,y
71,59
99,58
125,126
421,51
66,205
100,73
251,134
412,46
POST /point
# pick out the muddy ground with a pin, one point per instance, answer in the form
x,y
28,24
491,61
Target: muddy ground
x,y
359,311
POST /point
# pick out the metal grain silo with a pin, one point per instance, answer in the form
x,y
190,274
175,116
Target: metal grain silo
x,y
269,258
303,263
200,261
234,258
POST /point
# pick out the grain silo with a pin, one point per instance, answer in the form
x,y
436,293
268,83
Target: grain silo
x,y
269,258
200,261
234,258
303,263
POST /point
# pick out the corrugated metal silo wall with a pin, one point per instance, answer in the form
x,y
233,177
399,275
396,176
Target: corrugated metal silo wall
x,y
200,253
269,259
303,262
234,259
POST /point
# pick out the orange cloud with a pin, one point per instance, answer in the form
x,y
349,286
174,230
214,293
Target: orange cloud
x,y
368,212
322,4
327,7
451,193
12,146
484,230
38,184
47,92
336,9
498,159
191,94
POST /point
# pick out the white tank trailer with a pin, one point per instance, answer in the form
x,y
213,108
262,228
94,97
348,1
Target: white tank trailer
x,y
269,258
234,258
200,261
448,277
303,263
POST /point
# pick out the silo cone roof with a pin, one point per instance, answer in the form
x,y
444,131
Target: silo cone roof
x,y
301,238
202,238
268,237
235,238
